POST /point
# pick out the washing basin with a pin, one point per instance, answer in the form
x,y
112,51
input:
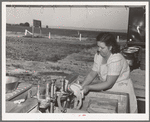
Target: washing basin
x,y
11,83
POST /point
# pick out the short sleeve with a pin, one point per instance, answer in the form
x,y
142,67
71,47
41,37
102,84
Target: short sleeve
x,y
114,68
95,65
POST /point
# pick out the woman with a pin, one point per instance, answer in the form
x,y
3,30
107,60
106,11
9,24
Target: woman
x,y
112,69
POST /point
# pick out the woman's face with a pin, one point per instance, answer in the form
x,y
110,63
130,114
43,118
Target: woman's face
x,y
103,50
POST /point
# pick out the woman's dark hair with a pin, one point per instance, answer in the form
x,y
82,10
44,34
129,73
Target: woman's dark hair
x,y
109,40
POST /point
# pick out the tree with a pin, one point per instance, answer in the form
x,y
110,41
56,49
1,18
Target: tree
x,y
27,24
21,24
46,26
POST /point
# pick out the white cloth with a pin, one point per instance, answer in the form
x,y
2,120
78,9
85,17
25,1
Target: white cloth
x,y
78,92
116,65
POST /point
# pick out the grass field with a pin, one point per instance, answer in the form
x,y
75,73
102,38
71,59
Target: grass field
x,y
43,49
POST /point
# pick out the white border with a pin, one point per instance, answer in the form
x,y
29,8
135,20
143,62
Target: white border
x,y
147,59
73,116
77,3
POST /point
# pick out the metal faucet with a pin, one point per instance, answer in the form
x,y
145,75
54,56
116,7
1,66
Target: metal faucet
x,y
50,99
52,96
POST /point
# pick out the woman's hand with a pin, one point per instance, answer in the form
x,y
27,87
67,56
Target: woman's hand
x,y
86,89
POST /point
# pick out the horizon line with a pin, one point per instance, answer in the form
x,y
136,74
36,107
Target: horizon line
x,y
81,28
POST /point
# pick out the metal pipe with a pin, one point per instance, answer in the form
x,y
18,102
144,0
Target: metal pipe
x,y
38,92
38,96
47,91
52,97
63,85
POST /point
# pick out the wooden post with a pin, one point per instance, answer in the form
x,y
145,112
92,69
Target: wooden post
x,y
80,37
33,31
25,32
49,35
117,38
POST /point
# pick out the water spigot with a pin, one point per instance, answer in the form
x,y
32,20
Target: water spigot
x,y
52,97
47,92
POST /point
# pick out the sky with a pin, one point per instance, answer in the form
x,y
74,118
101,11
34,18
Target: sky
x,y
115,18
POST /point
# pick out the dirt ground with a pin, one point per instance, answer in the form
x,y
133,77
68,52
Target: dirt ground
x,y
41,59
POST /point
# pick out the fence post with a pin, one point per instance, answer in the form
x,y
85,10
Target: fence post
x,y
117,38
49,35
80,37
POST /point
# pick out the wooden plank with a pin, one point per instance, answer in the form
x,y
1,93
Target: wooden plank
x,y
20,90
10,105
123,99
105,105
98,105
25,107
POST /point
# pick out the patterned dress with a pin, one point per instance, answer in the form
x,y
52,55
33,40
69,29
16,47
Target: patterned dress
x,y
116,65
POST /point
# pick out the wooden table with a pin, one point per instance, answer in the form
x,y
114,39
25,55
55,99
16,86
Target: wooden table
x,y
25,107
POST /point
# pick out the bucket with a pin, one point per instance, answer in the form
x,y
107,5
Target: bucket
x,y
129,58
11,83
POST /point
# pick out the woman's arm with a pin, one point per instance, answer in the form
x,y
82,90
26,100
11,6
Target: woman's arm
x,y
110,81
90,77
